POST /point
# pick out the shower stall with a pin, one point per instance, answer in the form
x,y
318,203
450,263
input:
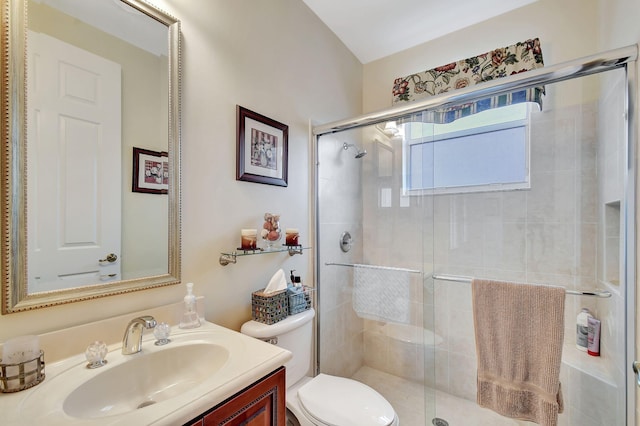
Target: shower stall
x,y
533,193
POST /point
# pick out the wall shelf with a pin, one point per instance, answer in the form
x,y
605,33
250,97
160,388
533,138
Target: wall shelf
x,y
232,257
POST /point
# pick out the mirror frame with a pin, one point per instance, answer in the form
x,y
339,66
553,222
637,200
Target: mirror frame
x,y
13,192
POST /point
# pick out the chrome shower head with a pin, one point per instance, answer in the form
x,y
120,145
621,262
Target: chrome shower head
x,y
359,153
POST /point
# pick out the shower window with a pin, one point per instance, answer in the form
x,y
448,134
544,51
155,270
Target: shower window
x,y
488,151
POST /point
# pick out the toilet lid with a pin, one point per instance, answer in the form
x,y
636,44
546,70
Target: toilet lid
x,y
344,402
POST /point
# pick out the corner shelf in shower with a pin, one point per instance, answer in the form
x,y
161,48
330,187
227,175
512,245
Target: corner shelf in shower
x,y
232,257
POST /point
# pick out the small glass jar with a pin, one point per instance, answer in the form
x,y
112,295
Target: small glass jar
x,y
271,231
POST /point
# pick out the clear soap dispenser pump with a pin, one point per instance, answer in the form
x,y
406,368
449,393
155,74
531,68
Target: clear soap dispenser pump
x,y
190,317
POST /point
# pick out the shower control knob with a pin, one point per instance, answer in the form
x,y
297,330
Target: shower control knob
x,y
345,241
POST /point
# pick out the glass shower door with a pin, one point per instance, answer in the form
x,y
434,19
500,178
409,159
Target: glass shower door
x,y
428,200
561,224
362,196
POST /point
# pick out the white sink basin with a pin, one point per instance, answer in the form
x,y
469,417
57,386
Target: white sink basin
x,y
145,380
161,385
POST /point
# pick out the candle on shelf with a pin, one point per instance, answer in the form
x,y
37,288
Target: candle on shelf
x,y
248,239
291,237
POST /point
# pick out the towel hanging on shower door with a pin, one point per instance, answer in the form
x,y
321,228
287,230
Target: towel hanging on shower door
x,y
381,293
519,331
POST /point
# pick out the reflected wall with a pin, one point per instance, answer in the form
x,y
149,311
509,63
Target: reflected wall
x,y
145,102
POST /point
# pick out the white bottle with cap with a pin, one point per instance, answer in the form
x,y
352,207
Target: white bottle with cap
x,y
582,329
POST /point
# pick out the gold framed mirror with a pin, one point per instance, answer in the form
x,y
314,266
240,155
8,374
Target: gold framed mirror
x,y
86,86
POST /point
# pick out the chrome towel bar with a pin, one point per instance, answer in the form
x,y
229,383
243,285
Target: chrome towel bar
x,y
597,293
389,268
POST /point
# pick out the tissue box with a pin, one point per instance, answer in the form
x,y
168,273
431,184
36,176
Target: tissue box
x,y
269,308
300,299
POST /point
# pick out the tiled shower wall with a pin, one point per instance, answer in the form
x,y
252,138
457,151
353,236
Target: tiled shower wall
x,y
386,236
611,206
544,235
340,210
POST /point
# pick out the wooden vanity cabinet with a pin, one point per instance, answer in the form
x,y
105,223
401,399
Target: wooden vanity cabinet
x,y
261,404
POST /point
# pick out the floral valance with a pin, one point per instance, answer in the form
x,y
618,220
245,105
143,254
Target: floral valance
x,y
502,62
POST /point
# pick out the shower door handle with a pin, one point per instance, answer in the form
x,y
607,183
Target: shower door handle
x,y
636,370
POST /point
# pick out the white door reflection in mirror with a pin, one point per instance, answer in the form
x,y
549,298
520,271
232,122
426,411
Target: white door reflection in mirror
x,y
74,162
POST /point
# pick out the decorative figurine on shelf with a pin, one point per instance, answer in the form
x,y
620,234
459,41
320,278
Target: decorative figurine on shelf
x,y
271,231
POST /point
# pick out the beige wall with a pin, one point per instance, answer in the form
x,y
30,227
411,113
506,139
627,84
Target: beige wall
x,y
275,58
565,30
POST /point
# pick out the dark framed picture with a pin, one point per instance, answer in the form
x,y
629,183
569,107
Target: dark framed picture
x,y
150,171
261,148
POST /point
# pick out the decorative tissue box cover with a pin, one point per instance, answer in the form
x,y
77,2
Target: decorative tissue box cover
x,y
269,308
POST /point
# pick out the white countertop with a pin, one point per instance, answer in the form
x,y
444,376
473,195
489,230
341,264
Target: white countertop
x,y
250,359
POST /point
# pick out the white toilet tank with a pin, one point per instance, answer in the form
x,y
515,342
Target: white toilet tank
x,y
295,334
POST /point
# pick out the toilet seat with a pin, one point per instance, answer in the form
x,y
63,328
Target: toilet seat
x,y
336,401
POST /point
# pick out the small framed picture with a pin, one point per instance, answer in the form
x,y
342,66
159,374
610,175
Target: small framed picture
x,y
261,148
150,171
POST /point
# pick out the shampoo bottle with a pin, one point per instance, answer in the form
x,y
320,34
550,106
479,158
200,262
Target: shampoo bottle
x,y
582,329
593,347
190,317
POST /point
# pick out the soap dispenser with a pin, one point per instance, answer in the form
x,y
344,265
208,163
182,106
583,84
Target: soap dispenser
x,y
295,279
190,317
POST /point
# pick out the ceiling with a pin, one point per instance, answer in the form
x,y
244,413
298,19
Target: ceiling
x,y
373,29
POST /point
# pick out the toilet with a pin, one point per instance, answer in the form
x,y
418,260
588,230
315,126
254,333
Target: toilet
x,y
323,400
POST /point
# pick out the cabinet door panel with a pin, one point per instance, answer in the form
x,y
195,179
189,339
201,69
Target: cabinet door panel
x,y
262,404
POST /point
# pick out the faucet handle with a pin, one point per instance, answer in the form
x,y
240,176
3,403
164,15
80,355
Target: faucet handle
x,y
147,320
161,333
96,353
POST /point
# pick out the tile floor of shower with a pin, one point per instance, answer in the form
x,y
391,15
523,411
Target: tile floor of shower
x,y
408,400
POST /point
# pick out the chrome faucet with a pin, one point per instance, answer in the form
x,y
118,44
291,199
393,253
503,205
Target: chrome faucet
x,y
132,340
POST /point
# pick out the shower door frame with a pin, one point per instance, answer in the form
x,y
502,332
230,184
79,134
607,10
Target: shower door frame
x,y
625,58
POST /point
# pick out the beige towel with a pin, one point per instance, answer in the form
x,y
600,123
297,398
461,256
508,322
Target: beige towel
x,y
519,332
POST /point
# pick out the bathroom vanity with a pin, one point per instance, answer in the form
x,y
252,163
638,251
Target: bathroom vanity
x,y
204,375
261,404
